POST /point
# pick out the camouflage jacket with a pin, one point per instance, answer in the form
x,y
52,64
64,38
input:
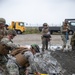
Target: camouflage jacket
x,y
9,43
46,33
64,29
30,57
72,42
3,32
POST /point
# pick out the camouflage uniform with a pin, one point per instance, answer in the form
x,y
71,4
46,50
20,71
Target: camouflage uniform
x,y
15,68
72,42
64,34
45,36
8,41
3,59
4,51
3,30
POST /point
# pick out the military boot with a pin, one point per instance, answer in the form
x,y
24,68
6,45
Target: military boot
x,y
64,46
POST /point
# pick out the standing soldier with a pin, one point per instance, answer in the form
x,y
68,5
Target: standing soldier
x,y
45,36
72,42
64,33
3,31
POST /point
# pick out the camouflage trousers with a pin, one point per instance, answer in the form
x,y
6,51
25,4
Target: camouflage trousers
x,y
14,68
3,68
64,39
44,44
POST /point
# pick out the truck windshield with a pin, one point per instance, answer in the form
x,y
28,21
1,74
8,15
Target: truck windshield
x,y
73,23
21,23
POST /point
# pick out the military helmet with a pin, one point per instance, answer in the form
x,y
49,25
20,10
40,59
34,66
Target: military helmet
x,y
45,24
2,20
35,47
12,32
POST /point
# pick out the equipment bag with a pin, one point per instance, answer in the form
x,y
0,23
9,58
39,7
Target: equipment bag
x,y
4,50
17,51
20,58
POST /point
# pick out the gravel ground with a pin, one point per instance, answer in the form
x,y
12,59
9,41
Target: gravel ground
x,y
66,59
29,39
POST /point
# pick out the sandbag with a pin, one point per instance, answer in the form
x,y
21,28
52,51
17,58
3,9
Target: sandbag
x,y
68,47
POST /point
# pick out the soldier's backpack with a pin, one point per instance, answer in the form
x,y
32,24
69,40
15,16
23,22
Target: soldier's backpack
x,y
4,50
18,50
18,54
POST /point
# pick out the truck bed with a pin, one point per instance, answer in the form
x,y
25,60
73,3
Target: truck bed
x,y
52,29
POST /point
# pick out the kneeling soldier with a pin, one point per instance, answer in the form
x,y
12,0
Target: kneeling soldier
x,y
21,59
5,46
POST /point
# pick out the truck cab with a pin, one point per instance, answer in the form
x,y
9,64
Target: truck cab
x,y
71,23
18,26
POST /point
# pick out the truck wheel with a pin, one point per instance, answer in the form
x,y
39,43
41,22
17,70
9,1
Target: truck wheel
x,y
51,32
19,32
71,32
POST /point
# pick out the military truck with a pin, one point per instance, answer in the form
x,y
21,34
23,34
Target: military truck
x,y
52,29
70,22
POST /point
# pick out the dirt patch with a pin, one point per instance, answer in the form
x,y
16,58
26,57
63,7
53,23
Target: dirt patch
x,y
67,61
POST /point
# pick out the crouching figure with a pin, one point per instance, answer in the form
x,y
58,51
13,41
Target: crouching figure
x,y
20,59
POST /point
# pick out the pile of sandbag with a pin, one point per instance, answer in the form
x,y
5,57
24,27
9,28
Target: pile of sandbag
x,y
45,63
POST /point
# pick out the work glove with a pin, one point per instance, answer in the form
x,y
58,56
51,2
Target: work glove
x,y
37,73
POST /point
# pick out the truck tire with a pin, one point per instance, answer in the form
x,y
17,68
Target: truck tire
x,y
19,32
71,32
51,32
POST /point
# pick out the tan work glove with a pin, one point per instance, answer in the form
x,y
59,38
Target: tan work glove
x,y
37,73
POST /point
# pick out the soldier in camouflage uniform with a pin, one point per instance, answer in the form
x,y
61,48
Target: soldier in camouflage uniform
x,y
18,62
8,39
5,46
72,42
3,60
64,33
45,36
3,30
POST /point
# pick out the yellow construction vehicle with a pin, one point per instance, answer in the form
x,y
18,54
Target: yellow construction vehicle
x,y
42,74
18,26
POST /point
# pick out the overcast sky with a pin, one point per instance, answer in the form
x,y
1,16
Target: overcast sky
x,y
37,11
